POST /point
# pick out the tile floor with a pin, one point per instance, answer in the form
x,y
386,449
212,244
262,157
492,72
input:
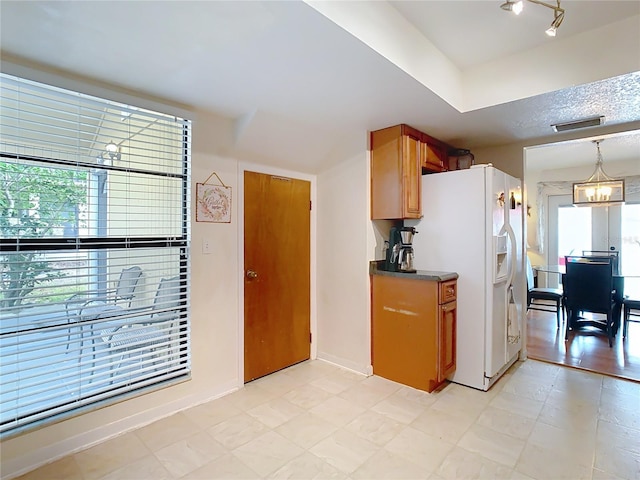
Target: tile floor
x,y
315,420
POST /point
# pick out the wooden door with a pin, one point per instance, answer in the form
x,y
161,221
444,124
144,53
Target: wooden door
x,y
277,284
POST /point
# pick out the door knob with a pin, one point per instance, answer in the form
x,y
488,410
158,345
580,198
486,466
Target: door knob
x,y
252,274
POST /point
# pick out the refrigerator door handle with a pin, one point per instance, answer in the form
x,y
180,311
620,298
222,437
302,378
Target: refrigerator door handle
x,y
513,254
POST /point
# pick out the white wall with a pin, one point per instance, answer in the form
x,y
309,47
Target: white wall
x,y
343,278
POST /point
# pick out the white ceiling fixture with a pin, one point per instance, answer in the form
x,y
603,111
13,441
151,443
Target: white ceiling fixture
x,y
600,190
576,124
516,6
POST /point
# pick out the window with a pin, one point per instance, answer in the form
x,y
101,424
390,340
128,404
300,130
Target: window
x,y
575,229
94,272
630,238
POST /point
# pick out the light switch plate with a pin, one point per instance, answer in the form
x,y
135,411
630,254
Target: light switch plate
x,y
206,246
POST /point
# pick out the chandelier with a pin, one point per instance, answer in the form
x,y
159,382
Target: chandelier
x,y
599,190
516,6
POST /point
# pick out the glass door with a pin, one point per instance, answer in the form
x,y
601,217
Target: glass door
x,y
630,239
574,229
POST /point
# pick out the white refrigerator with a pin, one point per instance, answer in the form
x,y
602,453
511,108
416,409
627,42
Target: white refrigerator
x,y
472,224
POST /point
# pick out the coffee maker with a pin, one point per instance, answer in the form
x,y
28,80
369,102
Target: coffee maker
x,y
399,257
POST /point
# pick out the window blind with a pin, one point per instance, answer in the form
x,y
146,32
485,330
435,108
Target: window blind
x,y
94,274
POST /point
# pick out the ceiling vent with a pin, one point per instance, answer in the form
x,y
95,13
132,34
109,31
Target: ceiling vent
x,y
576,124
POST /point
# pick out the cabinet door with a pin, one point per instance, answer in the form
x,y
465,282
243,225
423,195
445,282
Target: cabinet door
x,y
447,340
411,176
404,327
434,156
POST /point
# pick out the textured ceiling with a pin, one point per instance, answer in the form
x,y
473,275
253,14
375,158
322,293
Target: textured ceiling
x,y
295,81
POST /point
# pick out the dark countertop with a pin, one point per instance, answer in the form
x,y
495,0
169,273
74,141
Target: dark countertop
x,y
376,268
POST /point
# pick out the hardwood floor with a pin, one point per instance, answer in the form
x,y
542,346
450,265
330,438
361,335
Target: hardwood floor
x,y
587,350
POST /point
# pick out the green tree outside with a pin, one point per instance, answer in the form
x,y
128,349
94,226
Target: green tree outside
x,y
35,202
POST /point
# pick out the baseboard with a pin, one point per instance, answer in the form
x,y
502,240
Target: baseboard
x,y
344,363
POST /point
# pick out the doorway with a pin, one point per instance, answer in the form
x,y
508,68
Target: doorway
x,y
277,285
556,228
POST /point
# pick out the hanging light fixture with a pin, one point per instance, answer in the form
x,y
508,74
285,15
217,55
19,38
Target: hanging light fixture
x,y
516,6
113,150
109,155
599,190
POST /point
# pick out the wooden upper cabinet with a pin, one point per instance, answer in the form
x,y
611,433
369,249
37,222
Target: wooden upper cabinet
x,y
399,156
396,173
435,154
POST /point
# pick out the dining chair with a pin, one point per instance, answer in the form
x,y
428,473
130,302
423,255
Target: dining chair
x,y
589,288
545,295
614,254
586,253
631,308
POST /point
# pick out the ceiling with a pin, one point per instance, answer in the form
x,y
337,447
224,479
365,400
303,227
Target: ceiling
x,y
300,80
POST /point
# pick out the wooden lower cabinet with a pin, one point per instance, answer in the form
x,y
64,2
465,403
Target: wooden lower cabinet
x,y
413,330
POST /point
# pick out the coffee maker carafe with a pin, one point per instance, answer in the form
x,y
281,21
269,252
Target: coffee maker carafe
x,y
405,257
400,251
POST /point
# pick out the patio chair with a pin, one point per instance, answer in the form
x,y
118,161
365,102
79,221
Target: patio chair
x,y
124,291
87,306
142,330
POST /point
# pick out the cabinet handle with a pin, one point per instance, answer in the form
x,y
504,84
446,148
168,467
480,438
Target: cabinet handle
x,y
451,291
447,307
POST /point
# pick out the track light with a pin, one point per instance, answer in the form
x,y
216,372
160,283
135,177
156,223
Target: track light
x,y
511,6
516,6
557,20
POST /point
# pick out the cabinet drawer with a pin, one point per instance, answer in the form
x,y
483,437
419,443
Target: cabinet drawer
x,y
448,291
